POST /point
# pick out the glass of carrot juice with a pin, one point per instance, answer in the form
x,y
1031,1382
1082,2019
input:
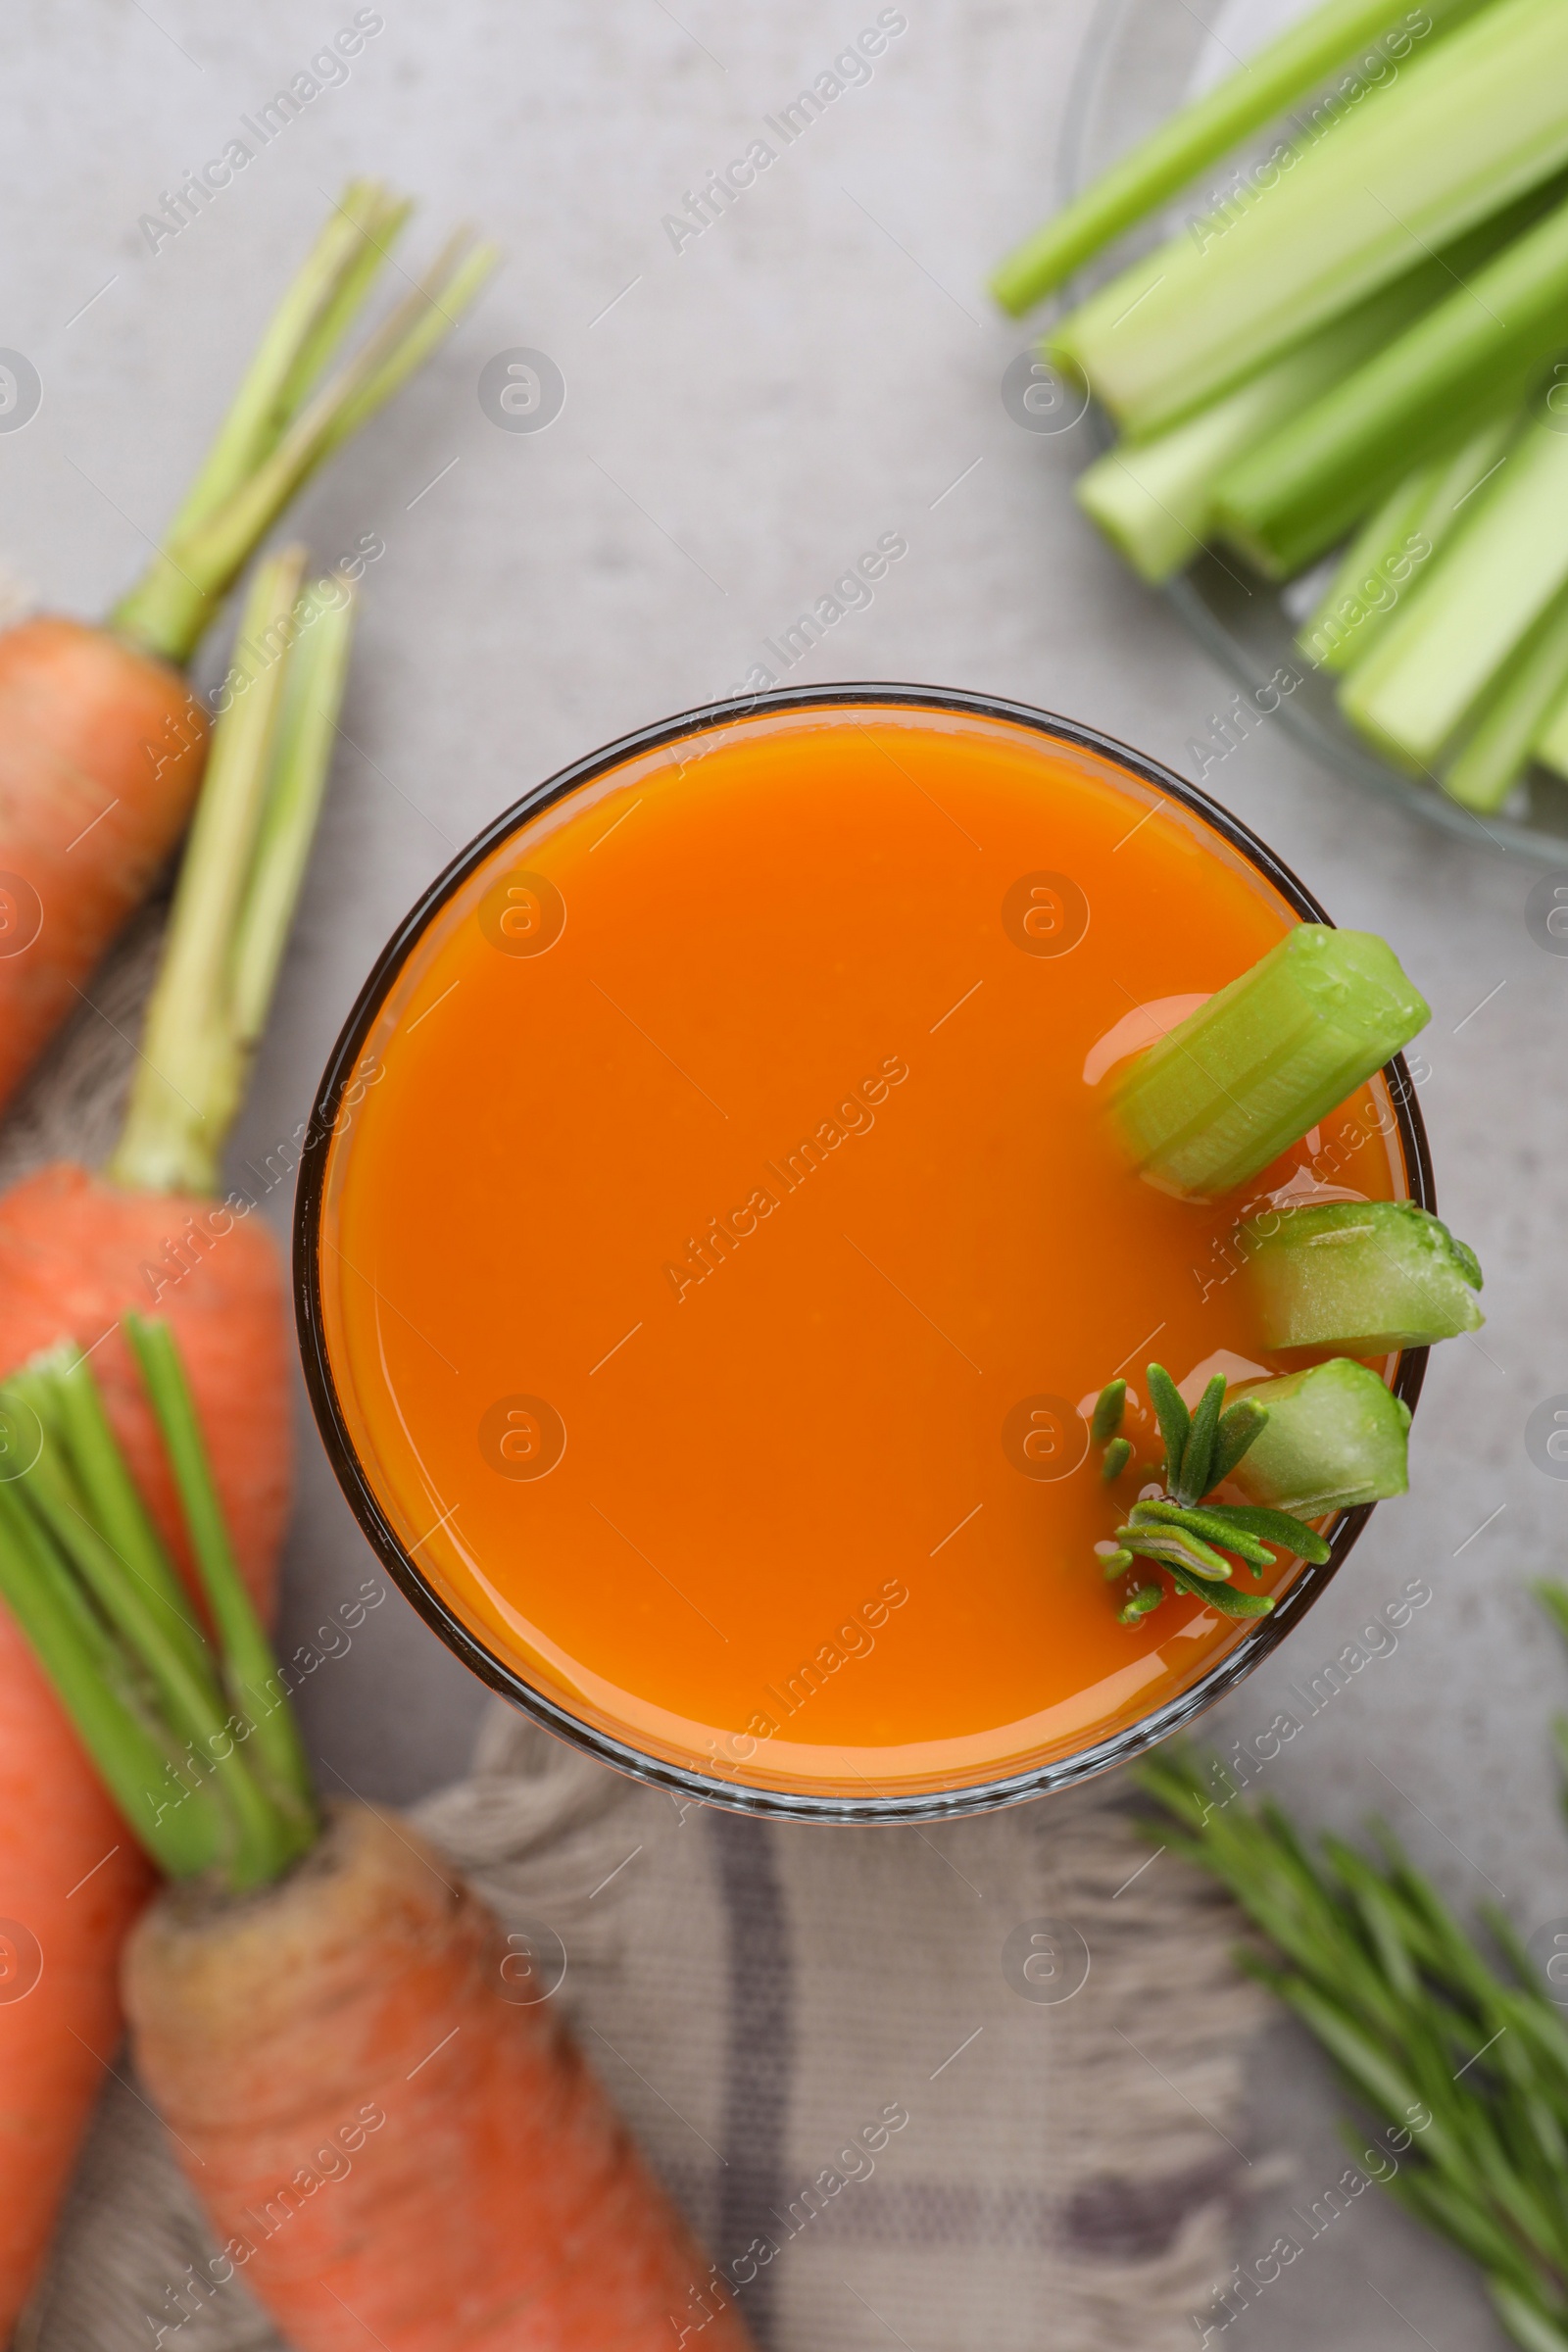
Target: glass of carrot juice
x,y
713,1242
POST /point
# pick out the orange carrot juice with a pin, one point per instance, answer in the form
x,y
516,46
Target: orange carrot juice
x,y
723,1243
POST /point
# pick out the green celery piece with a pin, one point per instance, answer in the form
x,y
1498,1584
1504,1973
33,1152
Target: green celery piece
x,y
1252,1071
1155,499
1478,120
1387,551
1363,1276
1336,1436
1499,748
1551,743
1274,78
1427,509
1475,606
1109,1406
1299,490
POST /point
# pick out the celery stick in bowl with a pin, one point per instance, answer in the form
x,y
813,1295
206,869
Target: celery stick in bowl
x,y
1291,647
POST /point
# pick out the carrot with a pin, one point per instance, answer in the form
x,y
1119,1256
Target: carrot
x,y
76,1251
387,2147
101,738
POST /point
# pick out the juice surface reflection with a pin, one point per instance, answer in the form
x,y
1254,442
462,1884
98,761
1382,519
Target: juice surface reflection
x,y
730,1229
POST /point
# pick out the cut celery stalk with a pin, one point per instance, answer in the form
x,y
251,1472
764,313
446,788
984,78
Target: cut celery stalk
x,y
1362,1276
1249,1072
1300,488
1375,576
1499,750
1155,500
1335,1437
1551,743
1474,607
1264,85
1461,132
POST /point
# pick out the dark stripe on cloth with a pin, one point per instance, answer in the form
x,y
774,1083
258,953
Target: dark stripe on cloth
x,y
760,2055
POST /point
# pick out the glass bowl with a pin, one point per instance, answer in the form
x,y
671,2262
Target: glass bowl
x,y
1141,60
464,894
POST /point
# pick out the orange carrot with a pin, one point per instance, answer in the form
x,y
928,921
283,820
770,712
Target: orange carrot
x,y
76,1252
386,2144
386,2148
101,738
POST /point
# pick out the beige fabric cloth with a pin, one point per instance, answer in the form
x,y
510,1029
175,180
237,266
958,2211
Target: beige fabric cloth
x,y
840,2047
827,2042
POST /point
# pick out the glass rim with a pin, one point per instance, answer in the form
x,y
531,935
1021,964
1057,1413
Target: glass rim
x,y
1098,1756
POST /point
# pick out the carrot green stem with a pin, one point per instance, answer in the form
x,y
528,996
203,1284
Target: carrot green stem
x,y
316,675
183,1685
93,1683
282,424
198,1747
249,1668
172,606
1286,70
108,1488
243,866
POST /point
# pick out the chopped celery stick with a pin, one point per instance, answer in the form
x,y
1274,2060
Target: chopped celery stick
x,y
1287,69
1335,1437
1499,750
1377,572
1476,604
1462,132
1299,489
1363,1276
1249,1072
1551,743
1155,499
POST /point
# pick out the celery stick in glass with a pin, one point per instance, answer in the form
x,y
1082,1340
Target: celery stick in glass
x,y
1155,499
1499,751
1362,1276
1476,605
1249,1072
1287,69
1463,131
1299,489
1387,554
1335,1437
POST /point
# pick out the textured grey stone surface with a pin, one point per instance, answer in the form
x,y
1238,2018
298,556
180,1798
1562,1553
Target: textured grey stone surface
x,y
742,417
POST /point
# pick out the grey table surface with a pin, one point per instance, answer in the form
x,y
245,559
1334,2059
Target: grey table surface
x,y
744,413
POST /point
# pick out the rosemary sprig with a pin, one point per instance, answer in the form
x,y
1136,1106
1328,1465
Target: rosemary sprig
x,y
1469,2065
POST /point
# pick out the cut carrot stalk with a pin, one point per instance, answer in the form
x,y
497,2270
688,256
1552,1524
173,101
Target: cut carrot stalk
x,y
1254,1069
102,740
320,1968
1285,70
76,1252
1463,131
1335,1438
1361,1277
